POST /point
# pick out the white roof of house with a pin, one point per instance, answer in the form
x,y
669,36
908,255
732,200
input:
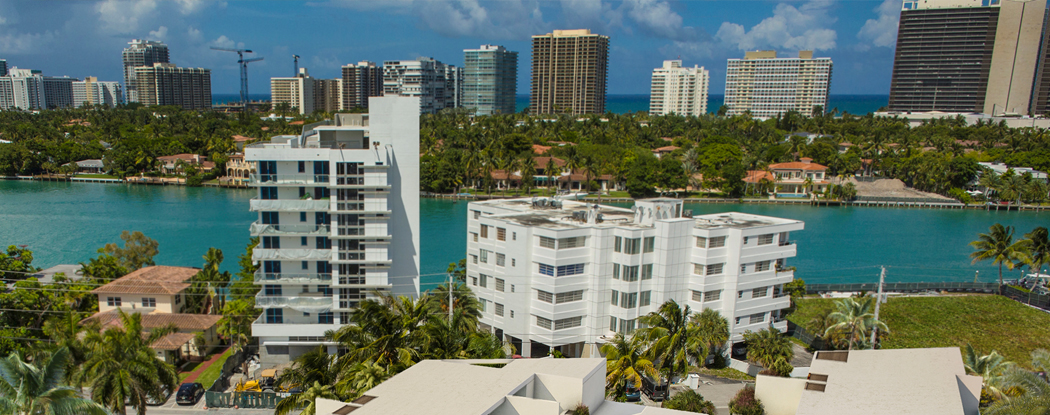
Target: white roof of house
x,y
893,381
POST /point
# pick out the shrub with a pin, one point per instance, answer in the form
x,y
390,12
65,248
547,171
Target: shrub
x,y
745,403
959,194
580,409
690,401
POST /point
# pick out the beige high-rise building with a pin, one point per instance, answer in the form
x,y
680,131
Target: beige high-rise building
x,y
570,69
91,91
307,94
679,90
984,56
328,94
167,84
768,86
140,52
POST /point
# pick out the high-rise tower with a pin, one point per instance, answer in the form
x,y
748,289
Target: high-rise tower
x,y
141,53
490,79
361,81
679,90
569,72
768,86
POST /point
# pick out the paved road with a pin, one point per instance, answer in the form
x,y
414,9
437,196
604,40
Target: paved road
x,y
171,408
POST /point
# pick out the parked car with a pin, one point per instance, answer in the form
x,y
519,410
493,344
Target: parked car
x,y
655,389
165,394
633,394
189,393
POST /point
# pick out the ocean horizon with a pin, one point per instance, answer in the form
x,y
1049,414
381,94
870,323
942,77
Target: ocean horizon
x,y
629,103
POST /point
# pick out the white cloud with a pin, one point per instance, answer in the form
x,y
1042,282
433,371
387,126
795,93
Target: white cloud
x,y
159,34
189,6
510,19
121,17
655,18
371,4
882,31
593,14
18,43
225,42
194,34
789,28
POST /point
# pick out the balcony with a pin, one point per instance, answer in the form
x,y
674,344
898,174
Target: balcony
x,y
306,303
291,179
259,229
304,279
356,207
288,328
259,253
289,205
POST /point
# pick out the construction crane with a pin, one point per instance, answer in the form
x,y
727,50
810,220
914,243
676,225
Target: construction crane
x,y
244,71
296,57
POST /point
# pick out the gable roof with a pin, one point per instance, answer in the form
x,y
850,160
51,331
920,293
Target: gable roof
x,y
173,341
541,162
797,165
151,280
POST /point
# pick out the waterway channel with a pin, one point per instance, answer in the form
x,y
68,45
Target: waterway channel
x,y
67,222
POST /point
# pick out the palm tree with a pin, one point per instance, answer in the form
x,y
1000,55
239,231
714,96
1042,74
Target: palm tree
x,y
767,346
711,330
990,367
121,366
999,246
66,331
1035,399
387,331
856,318
31,389
1039,246
313,366
306,400
668,332
462,299
363,377
625,363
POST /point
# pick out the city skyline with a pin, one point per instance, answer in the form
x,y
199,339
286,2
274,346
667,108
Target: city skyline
x,y
84,38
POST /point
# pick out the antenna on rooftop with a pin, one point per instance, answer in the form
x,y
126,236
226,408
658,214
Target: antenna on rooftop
x,y
296,57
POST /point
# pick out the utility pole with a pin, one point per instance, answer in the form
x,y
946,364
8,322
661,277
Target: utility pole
x,y
450,299
878,301
975,276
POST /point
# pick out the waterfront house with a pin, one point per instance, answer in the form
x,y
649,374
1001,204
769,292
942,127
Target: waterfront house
x,y
91,166
173,164
662,151
799,177
886,381
502,386
158,293
237,169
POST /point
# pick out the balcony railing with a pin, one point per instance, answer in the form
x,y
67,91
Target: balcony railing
x,y
309,279
289,205
350,230
291,179
292,229
259,253
310,304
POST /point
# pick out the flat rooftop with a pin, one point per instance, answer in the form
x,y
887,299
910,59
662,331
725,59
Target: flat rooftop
x,y
737,220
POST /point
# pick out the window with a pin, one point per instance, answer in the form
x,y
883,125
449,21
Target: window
x,y
698,296
698,269
500,284
546,270
302,216
271,242
616,271
569,296
485,231
713,295
268,193
499,309
645,298
302,167
758,318
717,242
650,244
178,299
326,318
618,244
743,268
759,292
511,313
485,256
626,326
477,214
766,239
628,300
484,304
513,262
271,218
544,296
762,266
305,265
647,272
615,297
113,301
574,269
630,273
738,320
274,316
474,281
272,290
546,242
474,259
574,242
701,242
739,294
567,323
513,236
632,246
512,288
501,260
745,240
302,241
612,323
543,322
484,281
714,269
474,236
501,234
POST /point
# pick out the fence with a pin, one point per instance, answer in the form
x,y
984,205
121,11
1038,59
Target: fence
x,y
243,400
907,287
234,361
1030,298
906,199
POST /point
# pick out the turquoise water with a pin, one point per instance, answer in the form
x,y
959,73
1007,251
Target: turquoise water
x,y
620,104
67,222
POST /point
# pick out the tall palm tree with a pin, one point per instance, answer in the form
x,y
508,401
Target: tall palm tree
x,y
66,330
361,377
1039,246
991,367
855,318
306,400
668,332
625,364
387,331
462,299
121,366
32,389
711,331
999,246
767,346
313,366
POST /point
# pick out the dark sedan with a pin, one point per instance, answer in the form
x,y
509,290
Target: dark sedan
x,y
189,393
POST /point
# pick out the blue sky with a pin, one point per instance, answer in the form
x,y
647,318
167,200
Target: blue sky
x,y
85,38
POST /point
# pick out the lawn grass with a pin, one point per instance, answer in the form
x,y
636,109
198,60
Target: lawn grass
x,y
209,375
725,373
988,322
95,176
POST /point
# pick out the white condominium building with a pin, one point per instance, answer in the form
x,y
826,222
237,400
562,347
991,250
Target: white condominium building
x,y
438,86
338,220
91,91
29,89
568,275
679,90
768,86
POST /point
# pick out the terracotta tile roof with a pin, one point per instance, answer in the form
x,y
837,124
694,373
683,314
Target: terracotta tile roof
x,y
151,280
173,341
296,123
241,138
503,175
754,176
538,149
184,157
667,138
185,322
541,162
797,165
666,149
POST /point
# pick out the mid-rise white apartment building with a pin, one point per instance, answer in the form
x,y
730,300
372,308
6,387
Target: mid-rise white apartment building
x,y
338,220
768,86
569,275
679,90
437,85
29,89
91,91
